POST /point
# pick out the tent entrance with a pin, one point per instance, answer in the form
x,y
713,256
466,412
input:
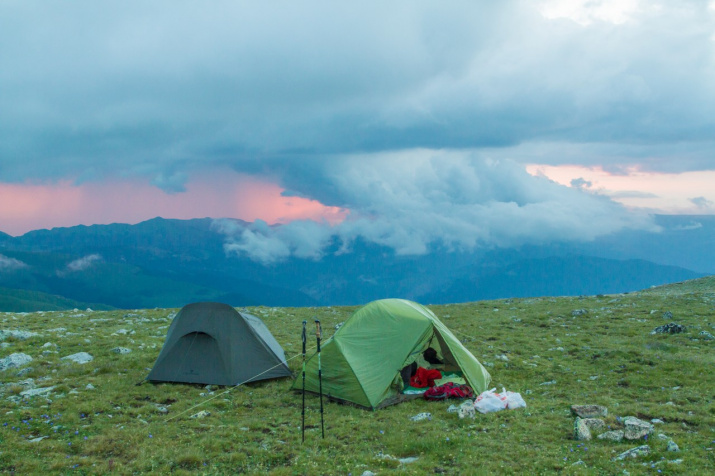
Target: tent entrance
x,y
192,352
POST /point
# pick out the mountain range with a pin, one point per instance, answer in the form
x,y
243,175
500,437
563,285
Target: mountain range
x,y
168,263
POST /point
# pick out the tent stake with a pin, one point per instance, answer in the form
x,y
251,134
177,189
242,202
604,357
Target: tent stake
x,y
318,336
302,427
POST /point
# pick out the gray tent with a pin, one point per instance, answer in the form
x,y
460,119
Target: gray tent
x,y
212,343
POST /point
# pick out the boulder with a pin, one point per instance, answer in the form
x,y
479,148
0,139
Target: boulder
x,y
595,425
636,429
581,432
14,360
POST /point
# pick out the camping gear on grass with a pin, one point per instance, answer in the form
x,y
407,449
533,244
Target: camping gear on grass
x,y
212,343
362,362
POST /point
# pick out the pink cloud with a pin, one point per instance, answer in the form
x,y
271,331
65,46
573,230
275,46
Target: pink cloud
x,y
634,188
25,207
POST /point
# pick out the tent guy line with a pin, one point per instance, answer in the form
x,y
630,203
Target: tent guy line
x,y
285,362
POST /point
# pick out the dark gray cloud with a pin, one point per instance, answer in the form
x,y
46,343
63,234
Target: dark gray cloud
x,y
137,89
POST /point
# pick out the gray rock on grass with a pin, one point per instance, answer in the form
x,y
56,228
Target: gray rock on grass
x,y
79,357
14,360
636,429
581,431
633,453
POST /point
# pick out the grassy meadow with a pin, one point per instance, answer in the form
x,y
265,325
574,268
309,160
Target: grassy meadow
x,y
99,417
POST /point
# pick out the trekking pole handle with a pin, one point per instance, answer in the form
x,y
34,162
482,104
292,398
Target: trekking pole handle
x,y
304,338
318,332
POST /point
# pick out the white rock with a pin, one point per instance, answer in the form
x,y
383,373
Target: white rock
x,y
80,357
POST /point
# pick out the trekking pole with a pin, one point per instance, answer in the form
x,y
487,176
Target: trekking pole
x,y
302,427
318,335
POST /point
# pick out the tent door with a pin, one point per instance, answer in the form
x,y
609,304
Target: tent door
x,y
198,359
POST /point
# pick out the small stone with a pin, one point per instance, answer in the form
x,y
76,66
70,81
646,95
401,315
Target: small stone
x,y
121,350
589,411
421,416
502,357
615,435
706,335
667,315
201,414
453,409
581,432
89,387
672,446
636,429
579,312
633,453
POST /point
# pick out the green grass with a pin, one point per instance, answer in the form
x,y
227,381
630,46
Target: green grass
x,y
606,356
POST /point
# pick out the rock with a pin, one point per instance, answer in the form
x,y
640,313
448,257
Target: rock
x,y
453,409
467,410
581,432
672,446
615,435
589,411
80,357
551,382
421,416
502,357
14,360
633,453
706,335
201,414
667,315
670,328
89,387
38,439
408,460
636,429
20,335
162,410
33,392
121,350
368,473
595,425
579,312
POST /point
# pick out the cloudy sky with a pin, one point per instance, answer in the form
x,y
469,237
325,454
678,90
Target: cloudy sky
x,y
410,124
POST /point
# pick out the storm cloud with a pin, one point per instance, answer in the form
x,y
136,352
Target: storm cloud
x,y
415,200
158,90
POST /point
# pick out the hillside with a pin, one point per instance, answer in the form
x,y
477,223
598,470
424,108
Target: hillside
x,y
18,300
61,416
168,263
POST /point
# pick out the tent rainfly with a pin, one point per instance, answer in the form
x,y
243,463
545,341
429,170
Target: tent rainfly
x,y
212,343
362,362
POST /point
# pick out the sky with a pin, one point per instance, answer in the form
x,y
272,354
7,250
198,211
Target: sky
x,y
410,124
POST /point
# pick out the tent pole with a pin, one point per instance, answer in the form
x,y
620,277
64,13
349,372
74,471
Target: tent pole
x,y
318,336
302,427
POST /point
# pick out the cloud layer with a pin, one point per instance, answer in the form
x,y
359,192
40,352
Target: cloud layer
x,y
163,89
413,201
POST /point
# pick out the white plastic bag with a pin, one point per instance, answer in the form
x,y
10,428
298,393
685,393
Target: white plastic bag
x,y
514,400
490,401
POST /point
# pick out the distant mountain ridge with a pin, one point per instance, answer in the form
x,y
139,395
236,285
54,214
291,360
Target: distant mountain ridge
x,y
169,263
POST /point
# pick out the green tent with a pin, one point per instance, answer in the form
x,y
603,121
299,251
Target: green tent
x,y
362,362
212,343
